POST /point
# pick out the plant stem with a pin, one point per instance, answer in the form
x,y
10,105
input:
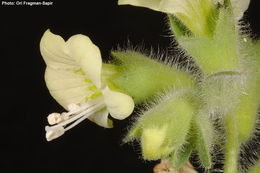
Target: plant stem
x,y
232,146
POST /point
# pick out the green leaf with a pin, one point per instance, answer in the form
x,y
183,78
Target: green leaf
x,y
178,28
134,133
246,110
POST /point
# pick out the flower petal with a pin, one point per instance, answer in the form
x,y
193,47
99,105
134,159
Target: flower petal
x,y
87,55
69,86
119,105
101,119
194,14
67,65
152,4
239,7
53,51
166,6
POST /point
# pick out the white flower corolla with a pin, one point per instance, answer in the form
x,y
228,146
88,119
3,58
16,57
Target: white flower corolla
x,y
167,6
73,77
182,6
239,7
193,13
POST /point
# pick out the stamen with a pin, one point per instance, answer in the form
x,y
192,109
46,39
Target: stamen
x,y
55,118
75,116
77,122
73,107
91,109
85,106
54,132
87,114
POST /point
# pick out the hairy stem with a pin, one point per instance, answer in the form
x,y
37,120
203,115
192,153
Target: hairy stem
x,y
232,146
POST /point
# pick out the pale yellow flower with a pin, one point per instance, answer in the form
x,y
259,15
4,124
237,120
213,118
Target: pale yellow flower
x,y
194,14
73,77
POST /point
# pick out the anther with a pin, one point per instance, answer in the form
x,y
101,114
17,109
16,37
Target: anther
x,y
54,132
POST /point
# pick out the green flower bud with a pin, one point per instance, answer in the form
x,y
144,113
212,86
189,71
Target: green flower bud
x,y
142,78
154,143
164,127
